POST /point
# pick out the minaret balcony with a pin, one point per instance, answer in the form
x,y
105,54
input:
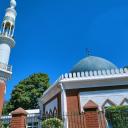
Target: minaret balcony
x,y
5,67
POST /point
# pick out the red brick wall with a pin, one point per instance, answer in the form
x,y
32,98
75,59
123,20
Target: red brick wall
x,y
72,101
2,90
102,120
74,118
91,118
18,121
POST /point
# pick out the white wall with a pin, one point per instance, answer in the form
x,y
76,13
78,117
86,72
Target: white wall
x,y
99,97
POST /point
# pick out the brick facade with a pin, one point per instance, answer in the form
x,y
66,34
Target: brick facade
x,y
73,108
2,91
91,115
72,101
90,118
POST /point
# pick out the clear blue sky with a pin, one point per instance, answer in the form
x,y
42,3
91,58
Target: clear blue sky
x,y
52,35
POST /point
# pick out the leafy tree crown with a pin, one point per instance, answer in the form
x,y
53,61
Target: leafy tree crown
x,y
26,93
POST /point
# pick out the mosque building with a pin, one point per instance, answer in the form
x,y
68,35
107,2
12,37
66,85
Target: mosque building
x,y
93,81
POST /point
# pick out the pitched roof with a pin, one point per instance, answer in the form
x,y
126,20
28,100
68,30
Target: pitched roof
x,y
19,111
90,105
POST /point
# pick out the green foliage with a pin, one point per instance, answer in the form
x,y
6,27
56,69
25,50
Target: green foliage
x,y
117,116
2,125
52,123
5,108
26,92
116,108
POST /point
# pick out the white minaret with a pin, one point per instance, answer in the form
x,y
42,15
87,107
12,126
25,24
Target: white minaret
x,y
7,41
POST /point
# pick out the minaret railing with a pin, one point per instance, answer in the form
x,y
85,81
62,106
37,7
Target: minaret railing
x,y
5,67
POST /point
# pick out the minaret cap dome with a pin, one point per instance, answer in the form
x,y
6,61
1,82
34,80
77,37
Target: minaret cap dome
x,y
93,63
13,3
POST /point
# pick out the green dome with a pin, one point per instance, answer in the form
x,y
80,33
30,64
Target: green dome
x,y
93,63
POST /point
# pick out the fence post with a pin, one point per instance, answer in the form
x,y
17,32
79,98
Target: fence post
x,y
91,115
2,91
19,117
102,119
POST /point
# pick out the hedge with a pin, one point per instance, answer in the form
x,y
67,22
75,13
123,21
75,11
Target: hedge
x,y
117,116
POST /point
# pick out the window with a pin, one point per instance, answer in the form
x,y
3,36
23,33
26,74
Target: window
x,y
32,125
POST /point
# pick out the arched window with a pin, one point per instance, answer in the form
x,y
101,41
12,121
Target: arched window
x,y
55,112
124,102
50,112
108,103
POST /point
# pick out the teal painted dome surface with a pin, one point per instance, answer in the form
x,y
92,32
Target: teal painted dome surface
x,y
93,63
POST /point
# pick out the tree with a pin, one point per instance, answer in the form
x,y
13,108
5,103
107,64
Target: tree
x,y
26,92
5,108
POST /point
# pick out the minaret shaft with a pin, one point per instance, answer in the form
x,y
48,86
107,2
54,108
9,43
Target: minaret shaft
x,y
5,53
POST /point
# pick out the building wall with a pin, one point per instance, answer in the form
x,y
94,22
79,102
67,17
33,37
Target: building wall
x,y
77,98
103,97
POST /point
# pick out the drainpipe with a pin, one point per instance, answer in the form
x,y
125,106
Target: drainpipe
x,y
64,106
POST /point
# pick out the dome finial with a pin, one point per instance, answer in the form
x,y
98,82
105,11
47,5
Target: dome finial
x,y
88,52
13,3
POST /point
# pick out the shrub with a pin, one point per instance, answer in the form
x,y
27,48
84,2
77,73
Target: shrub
x,y
4,125
117,109
117,116
52,123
